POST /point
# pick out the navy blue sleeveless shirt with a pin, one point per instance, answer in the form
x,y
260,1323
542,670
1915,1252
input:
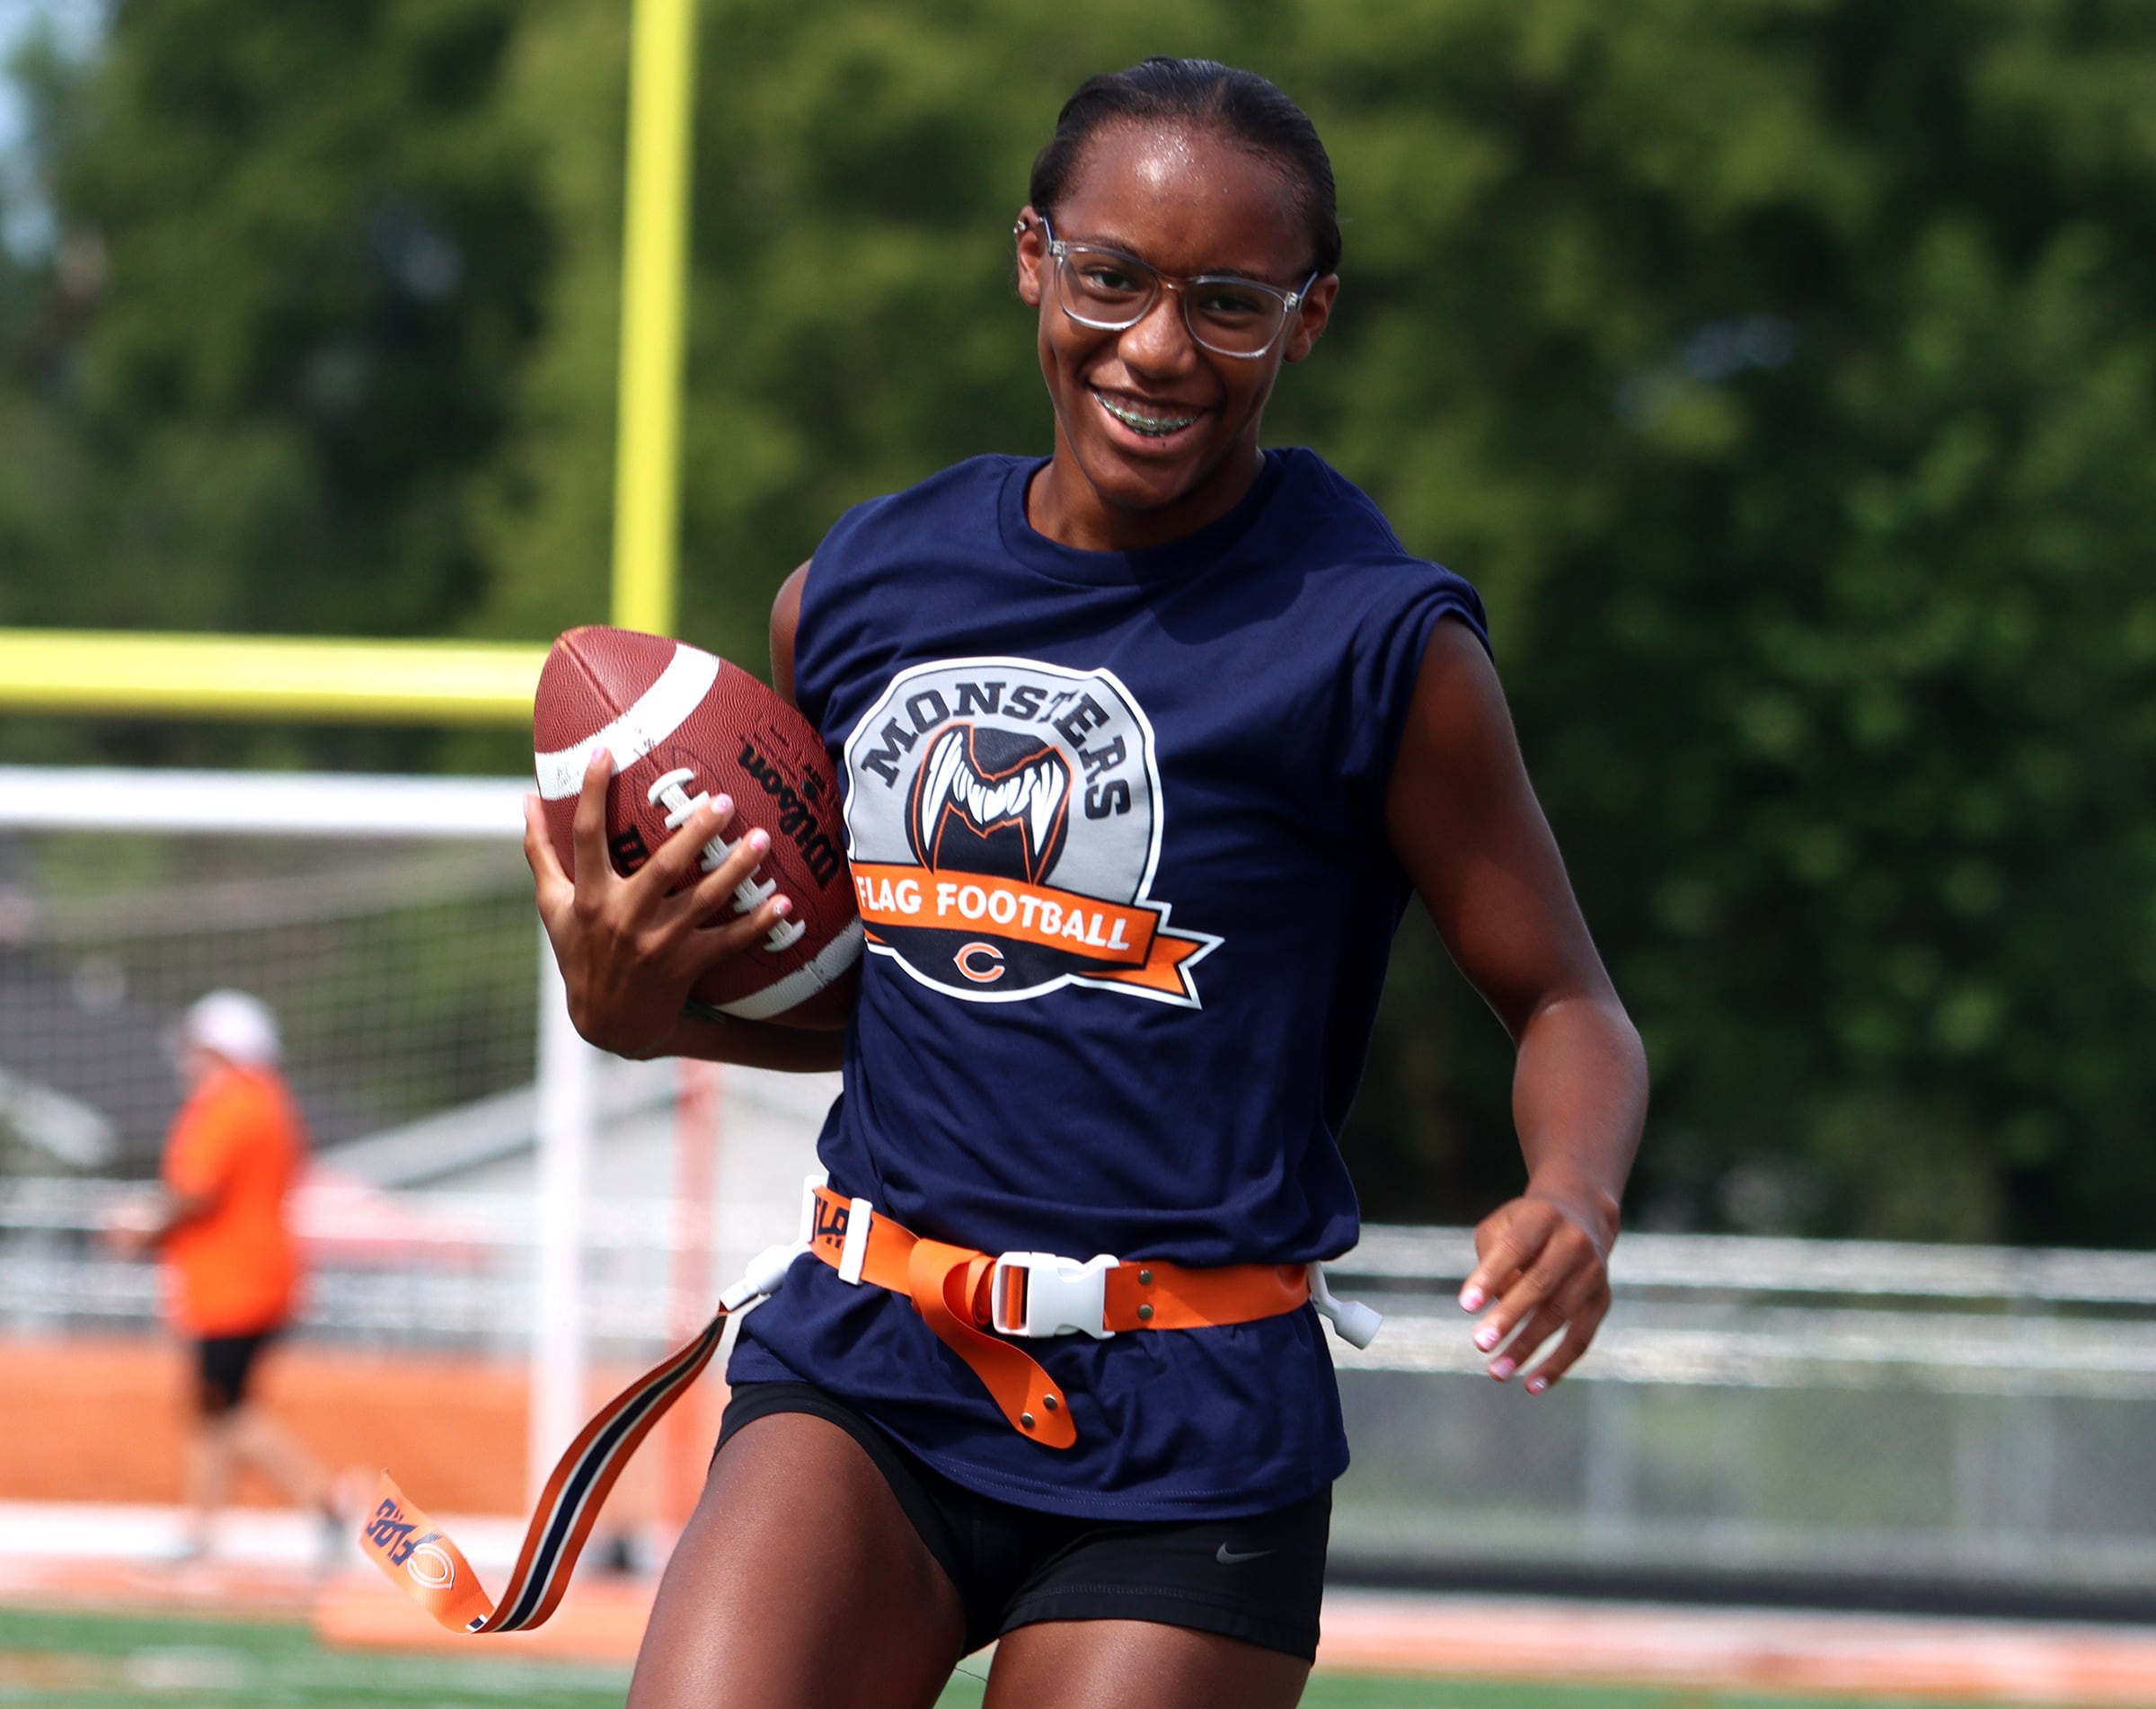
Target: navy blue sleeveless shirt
x,y
1117,822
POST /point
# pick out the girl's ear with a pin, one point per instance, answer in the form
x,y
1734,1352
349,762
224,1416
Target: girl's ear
x,y
1032,256
1310,316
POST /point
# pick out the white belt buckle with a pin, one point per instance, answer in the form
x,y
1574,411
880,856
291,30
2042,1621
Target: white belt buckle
x,y
1062,1296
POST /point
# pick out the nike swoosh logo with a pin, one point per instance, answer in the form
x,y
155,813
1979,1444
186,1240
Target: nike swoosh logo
x,y
1230,1558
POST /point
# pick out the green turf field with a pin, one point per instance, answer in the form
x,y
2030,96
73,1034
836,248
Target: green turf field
x,y
90,1661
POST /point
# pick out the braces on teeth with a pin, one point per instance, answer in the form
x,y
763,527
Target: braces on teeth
x,y
1145,423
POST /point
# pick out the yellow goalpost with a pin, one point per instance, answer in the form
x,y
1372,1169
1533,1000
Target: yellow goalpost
x,y
451,682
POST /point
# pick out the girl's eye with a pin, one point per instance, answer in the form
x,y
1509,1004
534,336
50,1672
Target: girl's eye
x,y
1108,281
1230,302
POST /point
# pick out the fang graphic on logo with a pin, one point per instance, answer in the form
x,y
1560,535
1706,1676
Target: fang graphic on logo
x,y
1009,793
1003,818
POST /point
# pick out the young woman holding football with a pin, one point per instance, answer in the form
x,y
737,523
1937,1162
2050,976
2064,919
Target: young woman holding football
x,y
1145,747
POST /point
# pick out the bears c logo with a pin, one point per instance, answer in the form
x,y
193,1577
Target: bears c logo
x,y
1003,818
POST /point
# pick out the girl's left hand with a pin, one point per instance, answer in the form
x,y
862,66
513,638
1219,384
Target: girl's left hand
x,y
1547,1273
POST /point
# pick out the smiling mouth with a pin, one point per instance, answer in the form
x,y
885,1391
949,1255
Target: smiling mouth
x,y
1154,427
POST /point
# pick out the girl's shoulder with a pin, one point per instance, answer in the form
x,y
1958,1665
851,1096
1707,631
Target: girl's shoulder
x,y
965,494
884,560
1337,534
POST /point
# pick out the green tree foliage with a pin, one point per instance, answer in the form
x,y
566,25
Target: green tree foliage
x,y
42,467
1783,371
1836,677
307,254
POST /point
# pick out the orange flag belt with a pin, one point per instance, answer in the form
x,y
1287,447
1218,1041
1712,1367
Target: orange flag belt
x,y
974,1301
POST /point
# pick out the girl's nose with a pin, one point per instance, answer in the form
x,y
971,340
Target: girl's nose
x,y
1161,338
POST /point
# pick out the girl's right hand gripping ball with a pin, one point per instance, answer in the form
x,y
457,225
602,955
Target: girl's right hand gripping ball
x,y
682,724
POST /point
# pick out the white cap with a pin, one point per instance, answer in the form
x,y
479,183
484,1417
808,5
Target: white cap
x,y
235,1026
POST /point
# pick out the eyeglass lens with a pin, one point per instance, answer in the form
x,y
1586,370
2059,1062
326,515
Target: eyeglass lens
x,y
1113,292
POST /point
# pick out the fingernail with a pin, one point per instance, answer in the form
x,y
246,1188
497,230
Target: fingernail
x,y
1487,1337
1503,1368
759,840
1536,1385
1471,1299
723,804
782,906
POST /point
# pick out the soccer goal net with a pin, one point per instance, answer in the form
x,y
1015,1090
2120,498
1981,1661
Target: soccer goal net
x,y
386,922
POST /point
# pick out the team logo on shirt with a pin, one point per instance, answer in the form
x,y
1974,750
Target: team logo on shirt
x,y
1003,818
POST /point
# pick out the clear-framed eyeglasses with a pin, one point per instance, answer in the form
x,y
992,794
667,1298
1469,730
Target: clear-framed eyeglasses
x,y
1112,292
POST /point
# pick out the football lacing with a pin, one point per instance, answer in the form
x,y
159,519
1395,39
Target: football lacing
x,y
672,790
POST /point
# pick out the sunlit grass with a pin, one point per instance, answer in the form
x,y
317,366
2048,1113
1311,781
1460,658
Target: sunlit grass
x,y
103,1662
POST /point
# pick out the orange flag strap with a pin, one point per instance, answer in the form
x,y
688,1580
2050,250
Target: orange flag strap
x,y
422,1560
955,1289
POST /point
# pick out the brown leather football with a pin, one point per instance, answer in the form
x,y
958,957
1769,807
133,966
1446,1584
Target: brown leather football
x,y
682,724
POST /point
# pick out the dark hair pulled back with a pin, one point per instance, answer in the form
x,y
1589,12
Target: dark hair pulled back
x,y
1242,106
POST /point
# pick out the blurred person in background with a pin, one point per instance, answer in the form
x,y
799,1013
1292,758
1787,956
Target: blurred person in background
x,y
232,1264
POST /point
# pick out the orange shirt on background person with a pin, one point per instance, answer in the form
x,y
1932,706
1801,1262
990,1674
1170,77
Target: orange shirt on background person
x,y
238,1143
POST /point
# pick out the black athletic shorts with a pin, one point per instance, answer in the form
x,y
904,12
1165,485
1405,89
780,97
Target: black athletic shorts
x,y
225,1362
1258,1579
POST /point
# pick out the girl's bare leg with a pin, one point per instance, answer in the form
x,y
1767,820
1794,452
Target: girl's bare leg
x,y
799,1583
1134,1664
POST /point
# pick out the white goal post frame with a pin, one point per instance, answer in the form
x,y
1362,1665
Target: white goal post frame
x,y
443,809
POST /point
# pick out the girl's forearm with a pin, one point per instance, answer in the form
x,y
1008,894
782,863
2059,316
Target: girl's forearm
x,y
1580,1102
